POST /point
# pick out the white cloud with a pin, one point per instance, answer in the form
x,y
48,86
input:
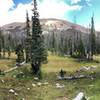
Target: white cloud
x,y
19,14
97,26
55,8
5,5
75,1
47,9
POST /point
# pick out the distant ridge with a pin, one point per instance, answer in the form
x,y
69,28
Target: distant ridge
x,y
49,22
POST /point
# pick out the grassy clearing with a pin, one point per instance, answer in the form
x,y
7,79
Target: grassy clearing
x,y
6,64
22,84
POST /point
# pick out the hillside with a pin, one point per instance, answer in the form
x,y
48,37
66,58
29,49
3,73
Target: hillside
x,y
19,28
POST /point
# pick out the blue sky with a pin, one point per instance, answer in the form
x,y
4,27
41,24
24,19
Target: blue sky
x,y
21,1
15,10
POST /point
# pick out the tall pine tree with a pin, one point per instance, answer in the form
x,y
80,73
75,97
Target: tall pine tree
x,y
92,40
28,40
38,50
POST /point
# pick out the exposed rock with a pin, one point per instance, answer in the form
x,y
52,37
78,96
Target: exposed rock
x,y
87,68
45,83
50,23
39,83
80,96
11,91
36,78
59,86
28,88
16,94
34,85
2,81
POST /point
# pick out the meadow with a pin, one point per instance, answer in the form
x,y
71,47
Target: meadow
x,y
22,81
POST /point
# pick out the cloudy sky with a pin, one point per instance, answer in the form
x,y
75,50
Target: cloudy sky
x,y
15,10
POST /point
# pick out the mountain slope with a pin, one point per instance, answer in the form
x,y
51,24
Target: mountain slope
x,y
47,24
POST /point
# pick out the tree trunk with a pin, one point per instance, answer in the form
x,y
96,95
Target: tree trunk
x,y
0,55
35,68
90,56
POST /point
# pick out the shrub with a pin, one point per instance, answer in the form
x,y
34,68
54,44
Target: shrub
x,y
62,73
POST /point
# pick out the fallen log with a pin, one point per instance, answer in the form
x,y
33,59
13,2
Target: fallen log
x,y
74,77
10,69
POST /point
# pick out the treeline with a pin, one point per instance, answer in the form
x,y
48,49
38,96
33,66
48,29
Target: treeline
x,y
9,43
74,42
6,45
60,42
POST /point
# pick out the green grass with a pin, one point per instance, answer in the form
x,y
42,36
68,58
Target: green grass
x,y
50,70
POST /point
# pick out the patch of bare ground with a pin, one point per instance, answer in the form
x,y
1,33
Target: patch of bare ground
x,y
62,98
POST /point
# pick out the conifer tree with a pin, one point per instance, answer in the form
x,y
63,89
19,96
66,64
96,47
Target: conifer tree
x,y
53,42
20,54
4,47
65,48
70,46
81,49
0,43
92,40
28,40
61,45
38,50
9,46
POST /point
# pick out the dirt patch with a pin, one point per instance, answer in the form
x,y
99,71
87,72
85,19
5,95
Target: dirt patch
x,y
62,98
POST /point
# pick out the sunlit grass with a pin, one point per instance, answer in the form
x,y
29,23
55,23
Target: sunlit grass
x,y
6,63
56,63
50,71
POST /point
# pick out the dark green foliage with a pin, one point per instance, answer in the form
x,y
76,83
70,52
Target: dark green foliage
x,y
61,45
81,49
92,41
84,98
20,54
23,73
39,74
20,75
62,73
28,40
2,72
4,46
70,47
53,43
97,48
38,51
65,48
92,38
9,46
